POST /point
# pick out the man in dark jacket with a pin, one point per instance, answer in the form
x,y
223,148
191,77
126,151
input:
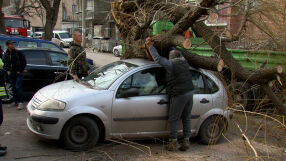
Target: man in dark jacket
x,y
1,52
14,65
180,90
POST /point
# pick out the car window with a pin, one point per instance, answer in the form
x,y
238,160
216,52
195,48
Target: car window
x,y
57,36
30,44
58,59
65,35
211,85
148,82
198,82
103,77
35,57
50,46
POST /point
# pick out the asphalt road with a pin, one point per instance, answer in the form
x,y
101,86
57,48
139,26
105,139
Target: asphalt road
x,y
25,146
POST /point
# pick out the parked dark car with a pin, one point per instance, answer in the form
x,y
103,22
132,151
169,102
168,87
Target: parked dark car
x,y
44,67
24,42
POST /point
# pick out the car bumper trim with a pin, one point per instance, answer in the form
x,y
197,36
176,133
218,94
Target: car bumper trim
x,y
44,119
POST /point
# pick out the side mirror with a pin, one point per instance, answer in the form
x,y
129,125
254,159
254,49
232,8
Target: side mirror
x,y
129,93
64,62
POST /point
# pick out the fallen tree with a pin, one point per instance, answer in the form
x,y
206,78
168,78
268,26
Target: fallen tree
x,y
134,20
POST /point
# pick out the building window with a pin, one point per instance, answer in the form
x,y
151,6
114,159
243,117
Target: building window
x,y
6,3
74,8
64,13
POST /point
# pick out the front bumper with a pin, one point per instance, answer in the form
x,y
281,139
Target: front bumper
x,y
46,124
66,43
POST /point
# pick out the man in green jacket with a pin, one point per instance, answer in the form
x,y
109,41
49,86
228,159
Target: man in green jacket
x,y
78,66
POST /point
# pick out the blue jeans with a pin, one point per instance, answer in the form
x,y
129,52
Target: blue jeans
x,y
181,108
16,84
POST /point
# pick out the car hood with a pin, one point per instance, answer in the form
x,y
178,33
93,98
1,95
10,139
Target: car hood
x,y
68,91
68,39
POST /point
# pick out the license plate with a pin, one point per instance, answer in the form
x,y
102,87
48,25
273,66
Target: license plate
x,y
14,33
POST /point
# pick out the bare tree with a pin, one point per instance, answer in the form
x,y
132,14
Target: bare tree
x,y
2,26
134,20
52,10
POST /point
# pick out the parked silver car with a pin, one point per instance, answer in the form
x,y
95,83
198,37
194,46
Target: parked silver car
x,y
117,50
125,99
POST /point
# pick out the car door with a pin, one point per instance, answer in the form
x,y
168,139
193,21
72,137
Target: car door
x,y
36,74
145,112
58,65
202,99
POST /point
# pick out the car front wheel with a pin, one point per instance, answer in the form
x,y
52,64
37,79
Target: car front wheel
x,y
211,130
80,133
62,45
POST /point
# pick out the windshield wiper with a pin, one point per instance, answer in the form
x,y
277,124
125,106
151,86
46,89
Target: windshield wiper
x,y
85,83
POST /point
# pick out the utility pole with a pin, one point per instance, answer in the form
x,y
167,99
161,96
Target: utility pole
x,y
83,22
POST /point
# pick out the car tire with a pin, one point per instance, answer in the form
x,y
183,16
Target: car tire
x,y
9,97
62,45
240,94
80,133
116,53
211,130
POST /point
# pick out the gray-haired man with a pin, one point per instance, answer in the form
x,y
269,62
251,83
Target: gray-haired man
x,y
180,90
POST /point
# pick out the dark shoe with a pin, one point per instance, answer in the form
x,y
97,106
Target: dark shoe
x,y
20,106
2,152
185,144
3,147
173,145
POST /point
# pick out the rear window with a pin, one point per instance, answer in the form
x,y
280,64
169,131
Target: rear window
x,y
50,46
35,57
27,44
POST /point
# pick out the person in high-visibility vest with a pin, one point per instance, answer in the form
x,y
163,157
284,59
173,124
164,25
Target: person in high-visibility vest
x,y
2,94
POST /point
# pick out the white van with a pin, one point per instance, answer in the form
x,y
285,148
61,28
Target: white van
x,y
62,38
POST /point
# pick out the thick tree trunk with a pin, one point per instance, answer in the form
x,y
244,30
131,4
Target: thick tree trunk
x,y
49,27
51,17
2,24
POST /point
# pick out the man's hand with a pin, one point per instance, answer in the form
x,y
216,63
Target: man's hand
x,y
79,61
149,42
88,72
8,72
75,77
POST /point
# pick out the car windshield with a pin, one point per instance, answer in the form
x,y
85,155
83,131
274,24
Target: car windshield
x,y
103,77
13,22
65,35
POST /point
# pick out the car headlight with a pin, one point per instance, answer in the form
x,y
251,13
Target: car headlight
x,y
52,105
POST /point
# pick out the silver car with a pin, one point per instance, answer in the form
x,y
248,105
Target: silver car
x,y
125,99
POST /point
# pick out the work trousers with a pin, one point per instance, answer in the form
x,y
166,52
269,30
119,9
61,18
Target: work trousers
x,y
180,108
16,84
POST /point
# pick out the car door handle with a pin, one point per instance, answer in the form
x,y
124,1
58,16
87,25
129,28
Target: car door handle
x,y
162,101
58,72
204,101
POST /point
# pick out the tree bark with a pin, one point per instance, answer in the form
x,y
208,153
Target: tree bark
x,y
2,24
51,17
